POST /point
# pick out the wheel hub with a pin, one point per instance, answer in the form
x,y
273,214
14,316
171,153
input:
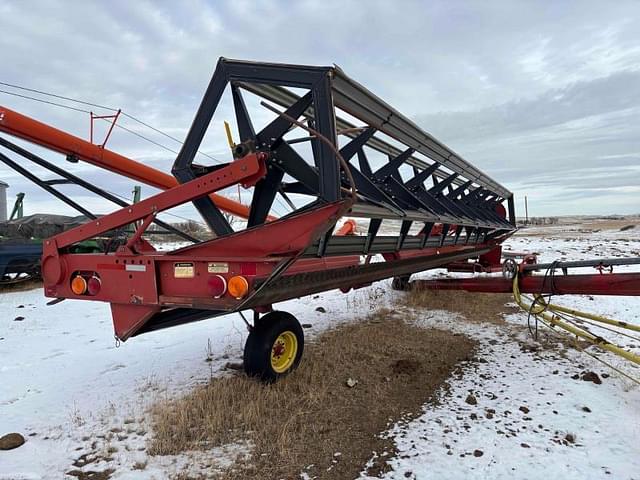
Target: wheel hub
x,y
283,351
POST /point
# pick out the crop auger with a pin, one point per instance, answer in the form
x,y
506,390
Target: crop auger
x,y
332,149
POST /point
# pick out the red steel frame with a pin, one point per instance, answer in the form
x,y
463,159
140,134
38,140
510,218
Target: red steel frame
x,y
603,283
134,265
140,282
625,284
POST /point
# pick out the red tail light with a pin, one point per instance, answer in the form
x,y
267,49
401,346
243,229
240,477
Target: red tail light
x,y
217,286
94,285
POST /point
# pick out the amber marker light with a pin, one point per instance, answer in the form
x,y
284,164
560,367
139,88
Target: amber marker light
x,y
238,287
78,285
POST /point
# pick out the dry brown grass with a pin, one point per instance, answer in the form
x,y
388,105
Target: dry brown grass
x,y
480,307
308,417
22,286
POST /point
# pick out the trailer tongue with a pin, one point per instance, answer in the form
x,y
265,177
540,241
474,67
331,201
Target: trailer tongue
x,y
325,173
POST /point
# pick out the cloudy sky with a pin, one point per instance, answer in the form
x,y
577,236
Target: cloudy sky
x,y
543,96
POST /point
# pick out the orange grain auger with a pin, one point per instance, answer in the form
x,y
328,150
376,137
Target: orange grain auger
x,y
75,148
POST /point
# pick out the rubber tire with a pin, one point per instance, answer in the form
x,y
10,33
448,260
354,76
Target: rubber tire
x,y
257,349
401,283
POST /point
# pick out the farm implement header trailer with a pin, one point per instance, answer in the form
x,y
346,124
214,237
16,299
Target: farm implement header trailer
x,y
331,149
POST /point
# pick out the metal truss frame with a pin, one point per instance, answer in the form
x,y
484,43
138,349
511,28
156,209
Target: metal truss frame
x,y
445,190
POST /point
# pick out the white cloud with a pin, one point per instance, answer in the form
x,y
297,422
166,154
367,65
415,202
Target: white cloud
x,y
516,87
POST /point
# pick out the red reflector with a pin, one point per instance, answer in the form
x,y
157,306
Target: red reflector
x,y
249,268
217,286
94,285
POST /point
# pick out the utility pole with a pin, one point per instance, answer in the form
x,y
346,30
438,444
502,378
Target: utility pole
x,y
526,211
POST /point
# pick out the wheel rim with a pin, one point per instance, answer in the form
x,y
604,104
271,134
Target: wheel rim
x,y
283,351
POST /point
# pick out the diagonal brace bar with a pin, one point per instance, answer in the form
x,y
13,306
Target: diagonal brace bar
x,y
236,172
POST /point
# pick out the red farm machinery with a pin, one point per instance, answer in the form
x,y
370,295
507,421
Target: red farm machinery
x,y
316,153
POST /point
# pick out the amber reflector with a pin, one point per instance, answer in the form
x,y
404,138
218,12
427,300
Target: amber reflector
x,y
78,285
238,287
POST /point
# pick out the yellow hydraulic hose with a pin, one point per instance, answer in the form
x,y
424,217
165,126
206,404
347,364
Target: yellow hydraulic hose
x,y
597,318
545,310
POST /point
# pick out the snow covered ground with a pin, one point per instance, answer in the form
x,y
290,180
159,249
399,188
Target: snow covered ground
x,y
70,391
528,405
65,385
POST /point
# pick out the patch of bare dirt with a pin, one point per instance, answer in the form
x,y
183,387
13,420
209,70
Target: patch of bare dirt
x,y
91,474
312,421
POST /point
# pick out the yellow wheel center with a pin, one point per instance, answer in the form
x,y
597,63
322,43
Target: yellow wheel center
x,y
283,352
